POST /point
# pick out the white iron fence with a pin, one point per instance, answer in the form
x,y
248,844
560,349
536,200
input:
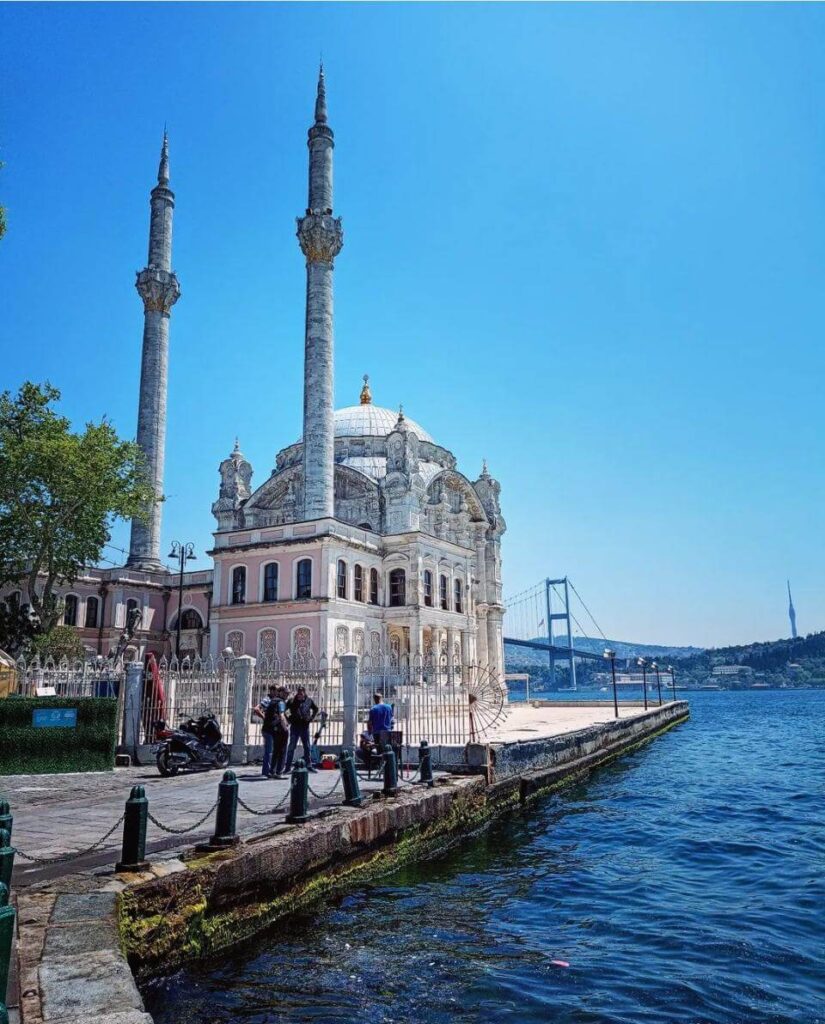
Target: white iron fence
x,y
177,690
320,679
64,678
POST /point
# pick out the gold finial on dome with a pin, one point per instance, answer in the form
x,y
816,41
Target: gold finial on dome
x,y
366,394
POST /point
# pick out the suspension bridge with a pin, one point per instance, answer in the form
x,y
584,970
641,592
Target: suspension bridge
x,y
542,617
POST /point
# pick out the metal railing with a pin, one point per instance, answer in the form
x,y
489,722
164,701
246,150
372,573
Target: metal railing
x,y
64,678
320,678
176,690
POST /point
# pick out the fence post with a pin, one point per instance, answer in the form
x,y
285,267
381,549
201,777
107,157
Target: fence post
x,y
425,765
132,707
390,772
6,941
6,817
298,794
133,850
227,815
349,683
7,852
244,668
352,790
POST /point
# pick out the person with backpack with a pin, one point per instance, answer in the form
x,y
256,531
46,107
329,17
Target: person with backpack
x,y
274,730
301,711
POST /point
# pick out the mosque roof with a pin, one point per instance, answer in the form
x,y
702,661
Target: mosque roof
x,y
370,420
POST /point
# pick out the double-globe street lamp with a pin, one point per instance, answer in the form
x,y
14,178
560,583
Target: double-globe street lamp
x,y
642,663
672,671
611,657
182,553
655,667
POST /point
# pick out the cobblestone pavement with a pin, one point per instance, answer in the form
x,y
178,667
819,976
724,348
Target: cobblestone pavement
x,y
60,814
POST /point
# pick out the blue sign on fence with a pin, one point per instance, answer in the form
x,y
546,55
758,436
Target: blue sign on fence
x,y
54,718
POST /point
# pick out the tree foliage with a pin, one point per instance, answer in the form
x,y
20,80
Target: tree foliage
x,y
61,642
60,492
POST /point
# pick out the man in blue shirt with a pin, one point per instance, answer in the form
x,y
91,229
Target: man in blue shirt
x,y
380,720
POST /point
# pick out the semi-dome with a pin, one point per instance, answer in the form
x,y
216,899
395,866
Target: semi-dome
x,y
370,420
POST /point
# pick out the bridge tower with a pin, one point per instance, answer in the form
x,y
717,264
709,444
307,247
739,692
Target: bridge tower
x,y
564,616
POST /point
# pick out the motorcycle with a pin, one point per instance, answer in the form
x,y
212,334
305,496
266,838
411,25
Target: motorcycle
x,y
198,743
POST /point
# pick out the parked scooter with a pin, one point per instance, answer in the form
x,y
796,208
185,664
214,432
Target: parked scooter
x,y
198,743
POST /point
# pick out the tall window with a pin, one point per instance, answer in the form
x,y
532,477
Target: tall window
x,y
131,604
70,610
358,582
443,593
341,579
373,586
239,584
303,578
190,619
398,588
92,605
457,592
428,588
271,581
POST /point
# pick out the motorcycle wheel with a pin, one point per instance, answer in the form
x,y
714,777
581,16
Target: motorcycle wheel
x,y
166,767
222,756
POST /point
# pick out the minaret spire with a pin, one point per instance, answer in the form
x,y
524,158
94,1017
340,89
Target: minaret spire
x,y
791,612
158,287
320,236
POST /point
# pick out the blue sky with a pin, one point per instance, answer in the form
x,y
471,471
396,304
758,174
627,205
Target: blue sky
x,y
584,241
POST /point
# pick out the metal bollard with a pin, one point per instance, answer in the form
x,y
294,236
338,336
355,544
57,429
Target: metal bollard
x,y
226,817
352,788
298,794
7,852
390,772
6,940
425,765
6,817
133,852
4,895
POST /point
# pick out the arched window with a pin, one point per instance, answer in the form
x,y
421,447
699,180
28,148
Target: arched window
x,y
239,584
457,593
428,588
373,586
131,604
70,610
443,594
398,588
271,581
358,583
303,578
92,605
341,580
190,619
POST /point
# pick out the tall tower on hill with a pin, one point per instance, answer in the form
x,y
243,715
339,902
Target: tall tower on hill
x,y
320,236
791,612
159,289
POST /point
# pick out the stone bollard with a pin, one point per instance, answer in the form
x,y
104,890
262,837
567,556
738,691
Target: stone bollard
x,y
298,794
352,788
425,765
226,817
133,852
6,940
6,817
390,772
6,858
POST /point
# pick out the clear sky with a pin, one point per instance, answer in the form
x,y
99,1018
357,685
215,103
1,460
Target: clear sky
x,y
586,242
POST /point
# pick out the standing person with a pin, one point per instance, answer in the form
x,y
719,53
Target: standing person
x,y
380,721
262,710
301,711
281,734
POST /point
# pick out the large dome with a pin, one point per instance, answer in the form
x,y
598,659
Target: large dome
x,y
370,420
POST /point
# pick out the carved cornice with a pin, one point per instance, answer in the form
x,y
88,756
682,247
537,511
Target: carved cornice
x,y
320,236
158,289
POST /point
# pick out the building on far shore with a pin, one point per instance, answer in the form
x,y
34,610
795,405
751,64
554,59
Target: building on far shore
x,y
365,538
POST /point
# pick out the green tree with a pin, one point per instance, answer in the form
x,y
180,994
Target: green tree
x,y
60,492
61,642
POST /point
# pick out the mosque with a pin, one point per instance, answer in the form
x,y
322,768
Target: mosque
x,y
365,538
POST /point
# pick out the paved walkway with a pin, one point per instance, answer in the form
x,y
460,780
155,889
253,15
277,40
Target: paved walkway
x,y
553,718
60,814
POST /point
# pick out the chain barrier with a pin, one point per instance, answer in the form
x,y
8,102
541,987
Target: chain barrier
x,y
262,814
325,796
64,857
180,831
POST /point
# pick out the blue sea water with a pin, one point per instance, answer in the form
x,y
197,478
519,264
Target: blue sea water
x,y
683,883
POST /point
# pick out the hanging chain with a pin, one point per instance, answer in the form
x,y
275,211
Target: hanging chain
x,y
261,814
63,857
181,831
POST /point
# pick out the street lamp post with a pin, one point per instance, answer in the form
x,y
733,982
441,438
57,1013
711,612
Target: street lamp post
x,y
672,671
655,667
611,657
642,662
182,553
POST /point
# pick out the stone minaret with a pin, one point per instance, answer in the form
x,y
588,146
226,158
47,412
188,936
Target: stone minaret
x,y
320,237
159,289
791,612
